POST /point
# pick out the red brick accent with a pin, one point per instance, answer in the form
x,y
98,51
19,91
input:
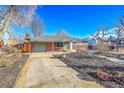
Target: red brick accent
x,y
58,49
26,48
79,47
49,46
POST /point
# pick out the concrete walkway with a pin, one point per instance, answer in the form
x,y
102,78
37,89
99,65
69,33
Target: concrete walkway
x,y
43,70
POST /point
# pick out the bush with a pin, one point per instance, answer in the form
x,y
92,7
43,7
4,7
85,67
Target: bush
x,y
17,53
102,47
9,55
5,61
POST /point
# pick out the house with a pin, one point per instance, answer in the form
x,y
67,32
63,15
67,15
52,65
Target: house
x,y
24,45
51,43
91,43
113,44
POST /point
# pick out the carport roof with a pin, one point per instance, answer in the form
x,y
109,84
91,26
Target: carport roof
x,y
55,38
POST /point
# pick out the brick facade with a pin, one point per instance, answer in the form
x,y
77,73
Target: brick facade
x,y
79,47
26,47
50,46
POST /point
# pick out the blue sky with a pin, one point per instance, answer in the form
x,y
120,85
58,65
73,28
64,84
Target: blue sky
x,y
78,21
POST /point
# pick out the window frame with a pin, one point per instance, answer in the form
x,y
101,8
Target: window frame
x,y
57,44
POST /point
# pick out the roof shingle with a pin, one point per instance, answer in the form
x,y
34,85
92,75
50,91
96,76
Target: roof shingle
x,y
54,38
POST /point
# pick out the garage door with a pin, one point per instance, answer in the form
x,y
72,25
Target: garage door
x,y
38,47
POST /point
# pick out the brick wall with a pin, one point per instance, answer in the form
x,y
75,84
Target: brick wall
x,y
26,48
79,47
50,46
58,49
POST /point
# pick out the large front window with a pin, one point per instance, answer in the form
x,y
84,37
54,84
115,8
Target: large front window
x,y
58,44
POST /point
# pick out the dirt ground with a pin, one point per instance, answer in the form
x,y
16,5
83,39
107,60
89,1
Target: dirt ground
x,y
9,74
87,64
44,70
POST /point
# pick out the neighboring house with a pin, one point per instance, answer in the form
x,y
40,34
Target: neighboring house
x,y
91,43
51,43
113,43
24,46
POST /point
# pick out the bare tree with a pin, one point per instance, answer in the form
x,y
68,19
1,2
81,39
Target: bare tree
x,y
119,35
100,35
119,31
121,21
62,33
15,15
37,26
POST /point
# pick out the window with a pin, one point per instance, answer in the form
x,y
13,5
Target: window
x,y
58,44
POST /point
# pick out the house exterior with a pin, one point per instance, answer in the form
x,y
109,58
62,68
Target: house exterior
x,y
80,46
51,43
91,43
113,44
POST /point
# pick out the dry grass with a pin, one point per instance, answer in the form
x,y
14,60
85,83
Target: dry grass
x,y
102,47
5,61
9,56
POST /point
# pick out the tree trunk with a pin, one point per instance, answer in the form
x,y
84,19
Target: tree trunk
x,y
117,42
117,48
117,45
6,26
7,17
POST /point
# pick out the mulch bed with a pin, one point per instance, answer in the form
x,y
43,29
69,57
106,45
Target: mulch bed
x,y
86,65
9,74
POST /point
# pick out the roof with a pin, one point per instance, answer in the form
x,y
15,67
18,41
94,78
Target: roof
x,y
54,38
92,41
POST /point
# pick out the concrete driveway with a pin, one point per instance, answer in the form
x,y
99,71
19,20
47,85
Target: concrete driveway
x,y
43,70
